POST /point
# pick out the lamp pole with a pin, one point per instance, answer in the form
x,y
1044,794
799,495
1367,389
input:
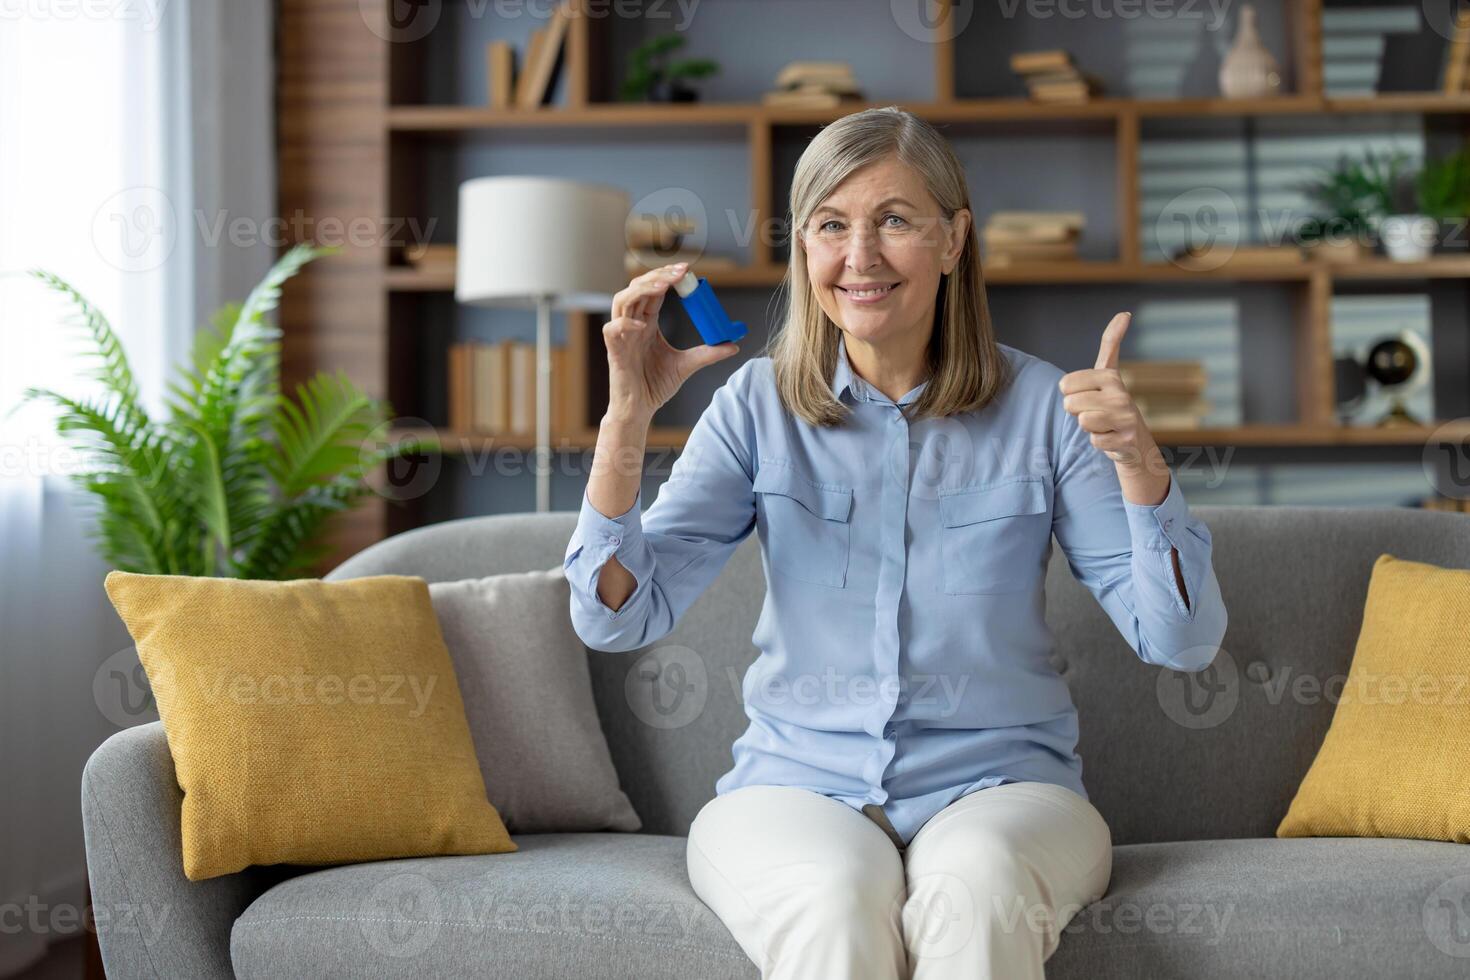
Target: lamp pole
x,y
543,402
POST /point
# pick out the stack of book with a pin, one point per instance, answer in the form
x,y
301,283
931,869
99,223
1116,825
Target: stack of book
x,y
1050,76
1031,236
528,87
658,240
492,388
814,85
1169,394
1212,255
431,258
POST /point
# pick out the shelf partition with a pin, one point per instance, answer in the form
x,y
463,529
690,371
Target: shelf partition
x,y
1291,435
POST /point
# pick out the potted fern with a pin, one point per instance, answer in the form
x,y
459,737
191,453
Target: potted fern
x,y
237,479
1354,197
651,77
1444,197
1439,193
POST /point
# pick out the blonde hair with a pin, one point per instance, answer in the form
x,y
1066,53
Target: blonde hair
x,y
967,368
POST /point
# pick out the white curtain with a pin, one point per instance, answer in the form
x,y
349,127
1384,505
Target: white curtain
x,y
122,131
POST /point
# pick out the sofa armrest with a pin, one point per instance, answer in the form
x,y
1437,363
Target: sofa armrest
x,y
151,920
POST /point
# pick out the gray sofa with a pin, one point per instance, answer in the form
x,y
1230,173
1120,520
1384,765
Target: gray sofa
x,y
1192,772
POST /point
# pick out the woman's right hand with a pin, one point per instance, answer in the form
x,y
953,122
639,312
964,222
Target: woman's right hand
x,y
644,369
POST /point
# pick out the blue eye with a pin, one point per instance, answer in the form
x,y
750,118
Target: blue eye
x,y
826,223
891,215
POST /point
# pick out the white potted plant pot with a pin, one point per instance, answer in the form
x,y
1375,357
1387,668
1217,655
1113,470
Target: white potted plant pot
x,y
1408,237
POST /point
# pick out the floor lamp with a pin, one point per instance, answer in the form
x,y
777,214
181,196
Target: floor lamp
x,y
541,243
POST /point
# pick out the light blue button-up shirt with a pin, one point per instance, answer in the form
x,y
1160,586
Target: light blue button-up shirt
x,y
904,654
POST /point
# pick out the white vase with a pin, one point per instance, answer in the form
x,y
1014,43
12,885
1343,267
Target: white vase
x,y
1408,237
1248,71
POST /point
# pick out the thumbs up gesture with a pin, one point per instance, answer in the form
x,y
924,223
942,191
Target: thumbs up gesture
x,y
1105,409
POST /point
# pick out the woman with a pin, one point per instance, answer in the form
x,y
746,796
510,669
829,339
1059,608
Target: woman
x,y
907,799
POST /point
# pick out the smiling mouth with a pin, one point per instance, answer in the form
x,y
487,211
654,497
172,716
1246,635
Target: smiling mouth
x,y
872,293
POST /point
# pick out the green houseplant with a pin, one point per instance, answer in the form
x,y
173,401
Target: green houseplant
x,y
238,478
1444,186
1444,195
651,78
1353,197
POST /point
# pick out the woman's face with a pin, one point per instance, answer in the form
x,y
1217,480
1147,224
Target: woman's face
x,y
881,229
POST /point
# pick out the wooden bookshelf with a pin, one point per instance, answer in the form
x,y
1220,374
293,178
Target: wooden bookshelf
x,y
462,119
1082,271
1291,435
354,130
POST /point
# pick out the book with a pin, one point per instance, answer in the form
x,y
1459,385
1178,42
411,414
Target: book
x,y
638,261
425,255
842,86
1027,218
1032,250
1172,420
488,387
1170,403
492,388
541,63
1172,384
652,231
797,72
1056,59
533,57
1062,92
807,100
522,388
1457,55
1186,381
994,246
1053,77
461,387
1164,368
500,74
1213,254
1025,234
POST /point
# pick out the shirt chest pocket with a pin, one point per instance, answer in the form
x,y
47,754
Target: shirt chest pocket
x,y
807,525
992,536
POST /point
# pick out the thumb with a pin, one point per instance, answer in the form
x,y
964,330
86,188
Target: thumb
x,y
707,354
1112,340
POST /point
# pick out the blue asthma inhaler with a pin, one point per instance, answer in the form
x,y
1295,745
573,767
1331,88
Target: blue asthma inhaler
x,y
705,310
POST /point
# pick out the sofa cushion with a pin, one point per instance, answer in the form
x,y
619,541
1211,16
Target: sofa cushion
x,y
1397,756
620,905
309,722
1303,908
528,696
600,905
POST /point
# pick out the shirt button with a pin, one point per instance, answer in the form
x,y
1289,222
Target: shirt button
x,y
1168,524
616,540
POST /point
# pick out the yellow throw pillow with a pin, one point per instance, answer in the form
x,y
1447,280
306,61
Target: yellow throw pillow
x,y
1396,758
310,722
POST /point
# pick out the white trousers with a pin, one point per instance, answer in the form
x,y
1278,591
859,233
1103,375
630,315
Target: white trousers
x,y
813,889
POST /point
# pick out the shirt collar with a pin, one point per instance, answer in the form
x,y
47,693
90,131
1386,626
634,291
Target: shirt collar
x,y
843,377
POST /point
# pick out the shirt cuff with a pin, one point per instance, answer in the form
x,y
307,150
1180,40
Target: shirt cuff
x,y
600,537
1155,527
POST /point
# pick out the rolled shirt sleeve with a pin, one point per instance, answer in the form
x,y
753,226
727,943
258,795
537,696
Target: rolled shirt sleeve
x,y
599,538
1121,551
677,548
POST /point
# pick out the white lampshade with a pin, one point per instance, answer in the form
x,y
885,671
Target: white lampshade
x,y
526,237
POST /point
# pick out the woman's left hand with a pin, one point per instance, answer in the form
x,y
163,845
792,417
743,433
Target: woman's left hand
x,y
1105,409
